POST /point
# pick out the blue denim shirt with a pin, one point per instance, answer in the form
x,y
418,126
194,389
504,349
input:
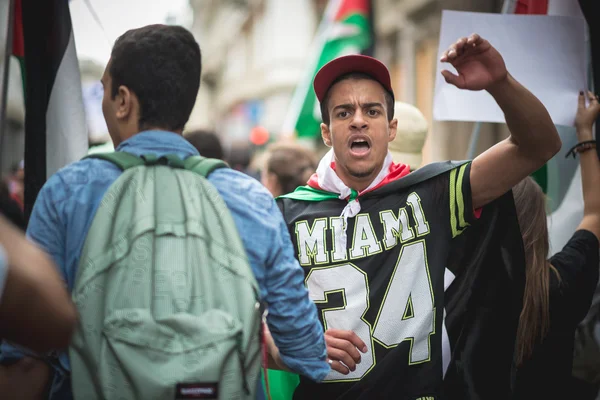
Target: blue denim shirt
x,y
67,203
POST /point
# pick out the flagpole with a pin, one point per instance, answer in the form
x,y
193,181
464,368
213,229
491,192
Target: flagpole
x,y
507,8
5,75
295,107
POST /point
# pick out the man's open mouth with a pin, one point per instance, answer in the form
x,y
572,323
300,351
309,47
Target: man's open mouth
x,y
360,147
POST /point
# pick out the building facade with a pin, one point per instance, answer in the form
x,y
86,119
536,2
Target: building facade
x,y
254,52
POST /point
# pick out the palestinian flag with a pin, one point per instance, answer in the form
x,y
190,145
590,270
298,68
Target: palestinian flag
x,y
55,124
346,29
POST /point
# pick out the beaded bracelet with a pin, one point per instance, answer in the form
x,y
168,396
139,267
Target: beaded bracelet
x,y
581,147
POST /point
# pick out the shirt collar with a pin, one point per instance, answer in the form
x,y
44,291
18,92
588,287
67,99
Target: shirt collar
x,y
157,141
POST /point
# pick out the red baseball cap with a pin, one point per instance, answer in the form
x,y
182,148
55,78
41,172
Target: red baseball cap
x,y
348,64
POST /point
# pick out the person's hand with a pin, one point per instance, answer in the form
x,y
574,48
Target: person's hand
x,y
478,63
343,350
274,360
586,116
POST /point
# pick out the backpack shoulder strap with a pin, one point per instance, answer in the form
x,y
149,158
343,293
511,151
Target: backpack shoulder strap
x,y
198,164
203,166
120,159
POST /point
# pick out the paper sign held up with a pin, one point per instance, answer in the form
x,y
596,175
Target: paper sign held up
x,y
546,54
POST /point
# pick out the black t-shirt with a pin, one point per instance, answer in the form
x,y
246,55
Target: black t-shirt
x,y
386,284
547,374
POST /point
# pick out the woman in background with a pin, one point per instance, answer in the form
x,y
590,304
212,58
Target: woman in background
x,y
287,166
558,291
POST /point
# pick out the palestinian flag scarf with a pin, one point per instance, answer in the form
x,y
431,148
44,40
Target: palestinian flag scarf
x,y
325,184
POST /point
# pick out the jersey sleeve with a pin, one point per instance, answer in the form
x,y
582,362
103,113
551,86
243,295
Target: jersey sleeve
x,y
462,214
572,290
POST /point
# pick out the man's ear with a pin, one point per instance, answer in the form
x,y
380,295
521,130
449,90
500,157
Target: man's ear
x,y
124,99
393,127
326,134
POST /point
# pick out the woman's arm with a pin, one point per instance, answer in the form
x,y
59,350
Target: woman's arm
x,y
590,164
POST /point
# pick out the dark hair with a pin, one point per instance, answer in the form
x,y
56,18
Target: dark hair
x,y
15,168
161,64
207,143
239,156
10,209
389,98
291,163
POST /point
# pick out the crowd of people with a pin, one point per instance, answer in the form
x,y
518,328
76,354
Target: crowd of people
x,y
160,272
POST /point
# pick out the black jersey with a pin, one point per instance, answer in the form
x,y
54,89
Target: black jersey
x,y
387,283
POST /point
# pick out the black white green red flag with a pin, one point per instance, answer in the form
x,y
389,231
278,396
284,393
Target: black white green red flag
x,y
55,124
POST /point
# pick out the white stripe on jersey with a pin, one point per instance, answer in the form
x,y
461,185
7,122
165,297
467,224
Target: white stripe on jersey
x,y
446,351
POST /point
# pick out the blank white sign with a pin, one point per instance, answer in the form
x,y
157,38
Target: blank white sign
x,y
544,53
568,8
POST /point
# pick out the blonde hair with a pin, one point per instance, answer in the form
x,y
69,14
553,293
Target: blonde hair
x,y
530,203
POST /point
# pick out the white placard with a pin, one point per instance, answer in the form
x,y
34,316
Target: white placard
x,y
544,53
568,8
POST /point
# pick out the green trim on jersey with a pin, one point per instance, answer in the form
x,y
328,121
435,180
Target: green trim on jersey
x,y
457,202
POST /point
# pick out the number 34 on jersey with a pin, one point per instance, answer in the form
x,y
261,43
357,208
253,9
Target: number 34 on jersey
x,y
406,312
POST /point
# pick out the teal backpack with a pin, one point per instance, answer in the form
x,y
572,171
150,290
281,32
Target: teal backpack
x,y
168,303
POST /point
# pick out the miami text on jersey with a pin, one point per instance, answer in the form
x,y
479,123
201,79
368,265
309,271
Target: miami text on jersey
x,y
314,249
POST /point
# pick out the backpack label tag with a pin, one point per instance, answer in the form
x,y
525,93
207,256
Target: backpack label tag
x,y
185,391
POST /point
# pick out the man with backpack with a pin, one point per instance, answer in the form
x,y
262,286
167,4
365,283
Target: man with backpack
x,y
167,267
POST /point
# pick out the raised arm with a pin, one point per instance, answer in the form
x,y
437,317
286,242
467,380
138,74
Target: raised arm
x,y
589,162
533,137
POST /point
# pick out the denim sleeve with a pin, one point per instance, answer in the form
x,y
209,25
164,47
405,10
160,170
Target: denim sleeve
x,y
45,227
292,317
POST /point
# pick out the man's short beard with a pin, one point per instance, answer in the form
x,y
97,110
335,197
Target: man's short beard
x,y
361,174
